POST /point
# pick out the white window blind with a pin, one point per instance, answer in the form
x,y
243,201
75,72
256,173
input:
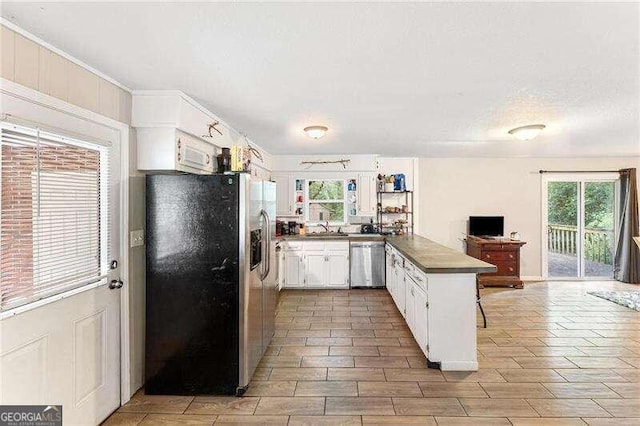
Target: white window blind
x,y
53,220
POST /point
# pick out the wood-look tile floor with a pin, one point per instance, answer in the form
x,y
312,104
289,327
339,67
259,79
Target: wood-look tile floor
x,y
551,355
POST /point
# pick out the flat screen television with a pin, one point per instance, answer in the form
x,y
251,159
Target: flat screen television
x,y
490,226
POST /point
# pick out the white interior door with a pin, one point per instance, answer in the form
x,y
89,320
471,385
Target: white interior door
x,y
62,346
65,353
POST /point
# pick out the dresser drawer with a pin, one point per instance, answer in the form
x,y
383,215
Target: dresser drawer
x,y
508,268
499,255
496,247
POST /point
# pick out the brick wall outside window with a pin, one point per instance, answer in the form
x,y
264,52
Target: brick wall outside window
x,y
19,165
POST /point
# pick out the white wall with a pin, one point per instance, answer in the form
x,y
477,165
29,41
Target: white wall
x,y
452,189
137,270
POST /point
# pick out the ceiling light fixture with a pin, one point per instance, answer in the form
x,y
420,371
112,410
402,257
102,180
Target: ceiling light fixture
x,y
526,133
316,132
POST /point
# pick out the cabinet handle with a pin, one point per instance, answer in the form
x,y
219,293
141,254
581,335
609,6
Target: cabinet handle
x,y
510,269
179,143
412,292
510,256
208,159
426,304
488,256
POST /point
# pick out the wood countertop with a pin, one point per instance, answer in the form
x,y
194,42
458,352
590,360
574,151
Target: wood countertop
x,y
433,258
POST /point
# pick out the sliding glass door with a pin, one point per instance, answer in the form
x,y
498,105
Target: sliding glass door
x,y
579,225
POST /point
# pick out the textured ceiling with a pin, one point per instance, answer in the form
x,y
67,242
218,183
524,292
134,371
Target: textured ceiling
x,y
427,79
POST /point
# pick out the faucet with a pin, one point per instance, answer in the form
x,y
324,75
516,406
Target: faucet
x,y
326,227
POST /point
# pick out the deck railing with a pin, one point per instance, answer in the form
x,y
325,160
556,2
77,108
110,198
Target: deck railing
x,y
598,244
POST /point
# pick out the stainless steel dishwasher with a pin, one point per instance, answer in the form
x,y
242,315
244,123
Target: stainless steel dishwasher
x,y
367,264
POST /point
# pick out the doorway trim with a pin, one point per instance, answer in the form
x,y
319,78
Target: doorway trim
x,y
571,177
37,98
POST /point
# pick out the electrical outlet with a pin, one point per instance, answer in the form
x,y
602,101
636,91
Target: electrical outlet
x,y
136,238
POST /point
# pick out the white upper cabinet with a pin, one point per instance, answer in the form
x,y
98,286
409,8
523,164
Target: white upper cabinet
x,y
169,149
284,194
366,194
175,133
169,108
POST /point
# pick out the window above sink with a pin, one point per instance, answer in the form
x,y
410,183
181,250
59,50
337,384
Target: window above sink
x,y
325,201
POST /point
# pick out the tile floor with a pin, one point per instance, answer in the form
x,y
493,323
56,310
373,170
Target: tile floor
x,y
551,355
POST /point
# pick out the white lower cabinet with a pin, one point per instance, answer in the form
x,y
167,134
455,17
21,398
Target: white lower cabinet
x,y
440,310
319,265
315,268
337,269
400,284
389,259
408,288
409,302
293,274
421,316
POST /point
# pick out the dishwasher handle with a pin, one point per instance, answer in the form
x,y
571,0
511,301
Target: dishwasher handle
x,y
373,244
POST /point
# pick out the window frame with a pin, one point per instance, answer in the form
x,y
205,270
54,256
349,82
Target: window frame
x,y
309,202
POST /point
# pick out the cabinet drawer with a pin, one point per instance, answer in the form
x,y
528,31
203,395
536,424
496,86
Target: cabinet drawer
x,y
421,279
314,246
289,245
496,247
337,245
507,268
499,255
409,268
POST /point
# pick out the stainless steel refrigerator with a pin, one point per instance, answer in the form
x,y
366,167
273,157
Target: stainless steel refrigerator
x,y
211,288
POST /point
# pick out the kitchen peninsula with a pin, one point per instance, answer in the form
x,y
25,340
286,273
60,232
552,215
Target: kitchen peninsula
x,y
433,287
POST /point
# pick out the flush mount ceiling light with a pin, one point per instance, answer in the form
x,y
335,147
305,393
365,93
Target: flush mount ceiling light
x,y
316,132
526,133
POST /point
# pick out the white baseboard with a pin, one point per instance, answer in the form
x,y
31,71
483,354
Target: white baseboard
x,y
532,278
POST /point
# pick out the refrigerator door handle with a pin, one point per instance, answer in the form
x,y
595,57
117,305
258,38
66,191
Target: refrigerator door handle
x,y
223,266
267,243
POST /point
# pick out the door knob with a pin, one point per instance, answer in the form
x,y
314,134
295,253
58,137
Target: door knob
x,y
114,284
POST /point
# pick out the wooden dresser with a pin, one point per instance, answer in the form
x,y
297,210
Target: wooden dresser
x,y
503,253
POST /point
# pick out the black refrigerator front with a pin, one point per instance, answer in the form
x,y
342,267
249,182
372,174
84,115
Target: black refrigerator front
x,y
199,267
